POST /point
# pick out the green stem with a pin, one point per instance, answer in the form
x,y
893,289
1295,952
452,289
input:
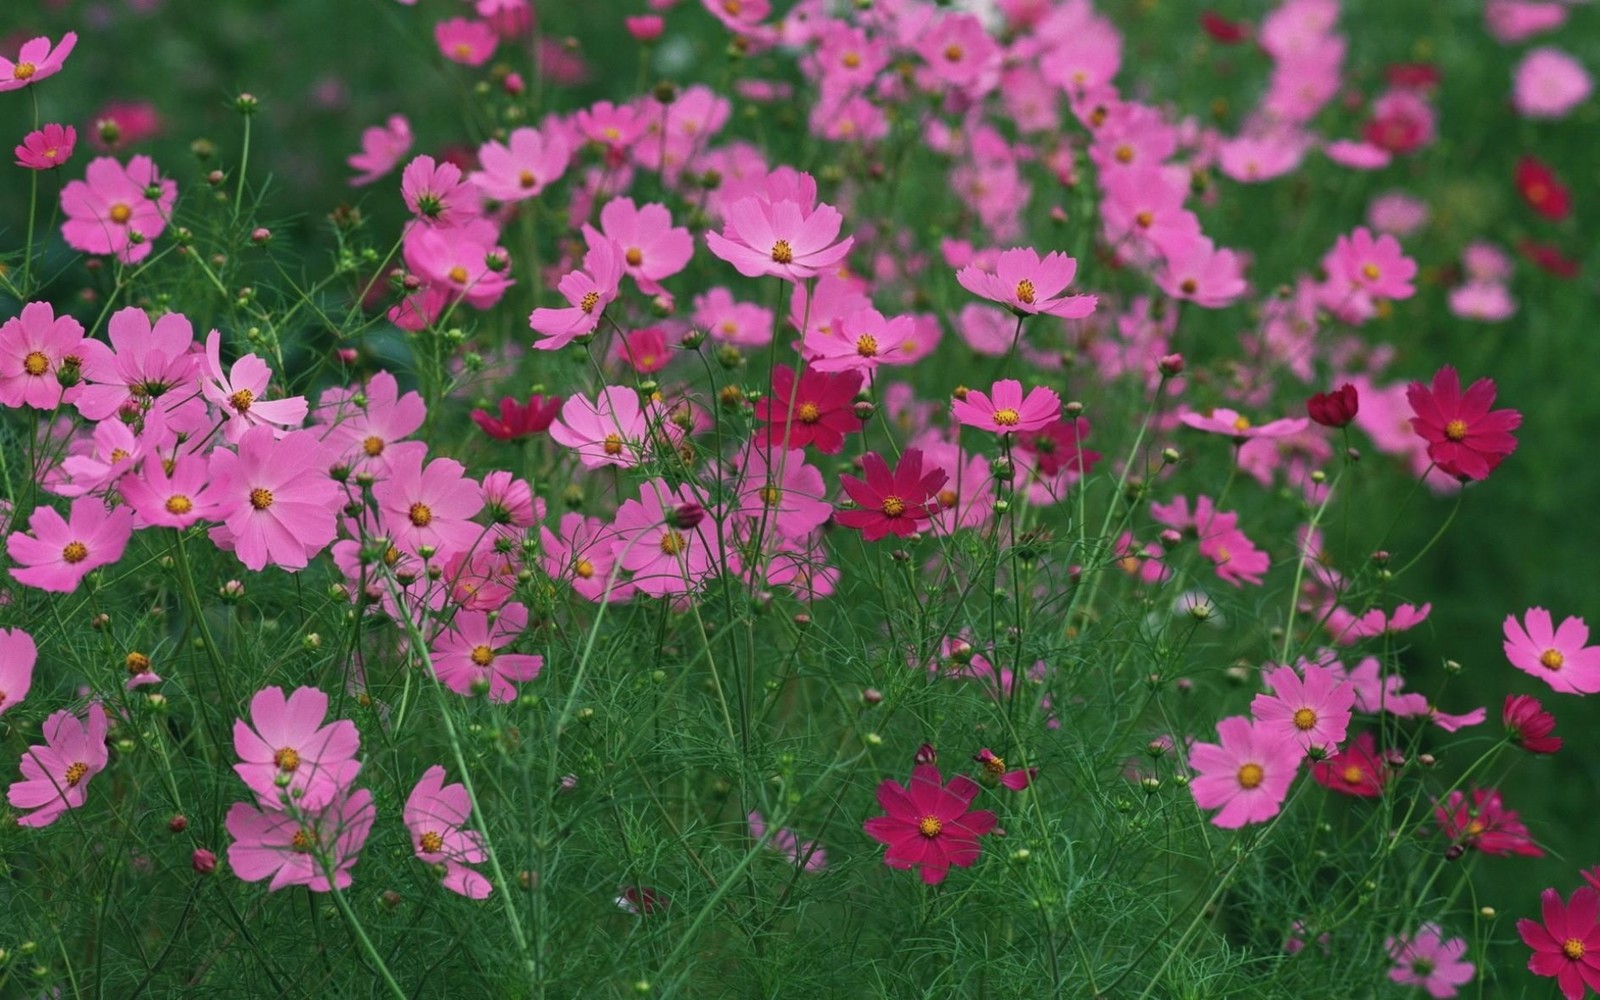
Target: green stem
x,y
366,942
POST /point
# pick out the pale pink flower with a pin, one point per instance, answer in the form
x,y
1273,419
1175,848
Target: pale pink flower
x,y
1424,958
789,237
382,148
111,212
1549,83
470,43
609,431
1246,775
436,194
1027,284
1558,656
429,508
238,393
523,166
313,849
436,815
17,657
652,248
55,776
1004,409
47,148
589,291
56,554
1232,423
470,657
37,60
279,506
808,854
33,346
144,363
288,757
1312,711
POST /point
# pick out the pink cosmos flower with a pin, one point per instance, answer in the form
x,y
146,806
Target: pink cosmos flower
x,y
580,554
238,392
436,194
930,825
462,262
47,148
175,498
315,849
1557,656
741,323
1247,773
808,854
785,237
859,341
1313,711
609,431
436,815
891,502
1200,273
1237,559
470,43
1375,266
523,166
652,248
1237,426
429,508
144,363
1427,960
1357,155
1512,21
33,346
17,657
1029,285
1379,691
55,776
781,492
1004,410
279,506
1566,946
613,127
589,291
1549,83
1486,825
1348,629
382,148
365,428
960,53
36,61
1465,438
664,541
645,351
110,211
469,657
994,769
288,756
1483,301
56,554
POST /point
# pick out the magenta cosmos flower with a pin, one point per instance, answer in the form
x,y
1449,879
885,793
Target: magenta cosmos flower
x,y
521,167
519,420
930,825
470,43
36,61
17,657
1485,825
589,291
238,393
1529,725
1028,285
1004,410
1246,774
808,854
55,776
1427,960
1311,711
33,346
665,541
1465,438
289,756
47,148
111,210
1557,656
469,657
891,502
429,507
302,847
382,148
279,505
436,814
1566,946
56,554
785,238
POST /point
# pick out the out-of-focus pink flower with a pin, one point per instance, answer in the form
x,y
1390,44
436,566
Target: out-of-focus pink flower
x,y
382,149
1549,83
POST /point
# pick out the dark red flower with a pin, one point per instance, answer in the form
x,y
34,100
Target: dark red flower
x,y
1548,257
1356,770
1336,408
1223,30
1486,825
519,420
1060,446
1529,724
1413,76
1465,438
930,825
891,502
1542,190
819,411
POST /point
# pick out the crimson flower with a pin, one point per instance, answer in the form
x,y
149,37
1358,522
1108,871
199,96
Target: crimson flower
x,y
519,420
1336,408
1465,438
1358,769
1566,947
1542,190
1223,30
891,502
819,410
929,825
1486,825
1529,724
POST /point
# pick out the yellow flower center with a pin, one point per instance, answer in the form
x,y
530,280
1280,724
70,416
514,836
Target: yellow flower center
x,y
430,843
1552,659
35,363
634,257
953,53
1025,292
287,759
1572,948
260,499
851,60
809,413
1352,775
612,444
1241,424
179,504
373,446
930,826
995,765
75,552
583,568
893,506
481,656
75,773
526,179
673,542
867,345
301,843
136,664
781,252
1189,286
458,274
1144,219
421,515
589,301
120,213
23,71
1369,271
1124,153
1007,417
1251,776
1456,430
948,497
1304,719
463,50
241,400
770,495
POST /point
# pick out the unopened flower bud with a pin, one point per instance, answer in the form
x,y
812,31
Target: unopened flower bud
x,y
1170,365
686,516
203,861
872,696
865,410
1170,538
246,104
926,754
260,236
178,823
